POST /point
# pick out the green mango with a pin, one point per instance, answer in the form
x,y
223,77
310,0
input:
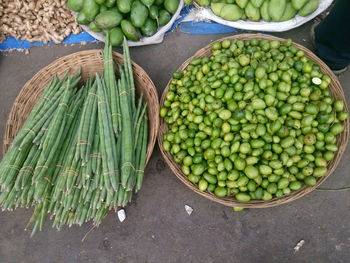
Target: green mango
x,y
252,12
116,36
242,3
216,8
94,27
158,2
264,12
103,8
154,12
257,3
100,2
171,5
231,12
130,31
203,2
276,9
108,19
90,9
124,6
110,3
147,3
149,28
309,8
75,5
289,13
81,19
138,14
297,4
230,1
164,17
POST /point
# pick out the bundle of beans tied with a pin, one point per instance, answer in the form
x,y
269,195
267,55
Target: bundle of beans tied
x,y
130,18
254,120
254,10
81,151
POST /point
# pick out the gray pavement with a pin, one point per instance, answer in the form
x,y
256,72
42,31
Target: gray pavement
x,y
157,228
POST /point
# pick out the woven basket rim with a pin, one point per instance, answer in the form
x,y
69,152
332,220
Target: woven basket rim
x,y
91,58
342,139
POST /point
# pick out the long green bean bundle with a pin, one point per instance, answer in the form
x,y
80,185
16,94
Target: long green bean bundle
x,y
82,150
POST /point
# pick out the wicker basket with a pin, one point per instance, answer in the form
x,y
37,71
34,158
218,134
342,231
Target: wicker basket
x,y
336,91
90,62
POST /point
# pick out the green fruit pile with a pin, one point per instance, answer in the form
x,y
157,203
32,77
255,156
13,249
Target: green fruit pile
x,y
130,18
255,120
254,10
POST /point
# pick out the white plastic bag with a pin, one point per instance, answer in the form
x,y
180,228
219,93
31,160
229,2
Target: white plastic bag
x,y
155,39
297,21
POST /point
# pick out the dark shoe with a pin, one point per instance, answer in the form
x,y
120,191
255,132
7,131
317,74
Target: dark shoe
x,y
339,71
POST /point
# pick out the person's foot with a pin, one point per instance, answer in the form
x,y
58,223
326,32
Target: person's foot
x,y
339,71
312,34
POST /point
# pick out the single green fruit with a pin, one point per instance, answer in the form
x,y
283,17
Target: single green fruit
x,y
158,2
309,8
75,5
242,197
108,19
147,3
116,36
171,5
289,12
297,4
124,6
216,8
149,28
276,9
164,17
110,3
93,27
130,31
242,3
90,9
231,12
257,3
154,12
81,19
203,2
252,12
138,14
264,11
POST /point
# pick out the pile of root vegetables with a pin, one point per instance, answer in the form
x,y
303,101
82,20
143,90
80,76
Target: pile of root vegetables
x,y
36,20
82,150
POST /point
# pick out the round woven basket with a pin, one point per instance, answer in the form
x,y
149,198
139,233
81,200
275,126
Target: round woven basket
x,y
90,62
342,139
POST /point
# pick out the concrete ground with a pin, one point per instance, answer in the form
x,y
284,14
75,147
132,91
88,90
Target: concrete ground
x,y
157,228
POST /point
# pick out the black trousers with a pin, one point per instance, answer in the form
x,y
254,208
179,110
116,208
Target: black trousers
x,y
332,36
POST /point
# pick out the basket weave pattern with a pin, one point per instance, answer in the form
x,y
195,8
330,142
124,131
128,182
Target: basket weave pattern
x,y
90,62
342,139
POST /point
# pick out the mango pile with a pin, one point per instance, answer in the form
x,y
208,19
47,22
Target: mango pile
x,y
133,19
256,10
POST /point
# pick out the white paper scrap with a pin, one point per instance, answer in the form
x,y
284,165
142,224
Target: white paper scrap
x,y
188,209
299,245
121,215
